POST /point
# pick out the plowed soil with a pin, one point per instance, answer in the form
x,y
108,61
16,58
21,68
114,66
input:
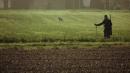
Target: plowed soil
x,y
96,60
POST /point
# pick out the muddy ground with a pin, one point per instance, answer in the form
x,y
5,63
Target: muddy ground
x,y
96,60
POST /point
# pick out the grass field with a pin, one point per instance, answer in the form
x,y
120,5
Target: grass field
x,y
44,26
35,41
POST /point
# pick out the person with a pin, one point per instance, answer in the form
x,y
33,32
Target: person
x,y
107,27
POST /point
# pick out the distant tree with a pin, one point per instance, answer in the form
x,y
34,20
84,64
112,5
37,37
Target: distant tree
x,y
73,3
5,4
107,4
79,4
129,4
91,3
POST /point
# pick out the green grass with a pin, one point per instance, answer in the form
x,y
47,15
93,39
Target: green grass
x,y
44,26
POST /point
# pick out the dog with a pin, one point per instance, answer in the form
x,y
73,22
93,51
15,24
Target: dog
x,y
60,19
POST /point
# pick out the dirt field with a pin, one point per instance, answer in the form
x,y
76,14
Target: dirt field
x,y
98,60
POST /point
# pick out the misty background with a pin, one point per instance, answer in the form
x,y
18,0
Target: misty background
x,y
64,4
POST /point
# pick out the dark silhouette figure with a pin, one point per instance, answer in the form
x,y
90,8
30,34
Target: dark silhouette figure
x,y
107,27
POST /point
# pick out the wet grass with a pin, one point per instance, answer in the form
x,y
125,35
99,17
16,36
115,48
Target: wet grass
x,y
18,26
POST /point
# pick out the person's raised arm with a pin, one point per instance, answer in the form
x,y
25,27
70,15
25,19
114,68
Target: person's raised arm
x,y
100,23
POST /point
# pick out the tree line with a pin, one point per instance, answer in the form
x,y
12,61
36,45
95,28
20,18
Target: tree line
x,y
98,4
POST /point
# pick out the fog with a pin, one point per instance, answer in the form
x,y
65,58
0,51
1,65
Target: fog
x,y
64,4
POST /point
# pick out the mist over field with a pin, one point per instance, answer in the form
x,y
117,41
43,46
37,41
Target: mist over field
x,y
65,4
78,25
38,20
64,36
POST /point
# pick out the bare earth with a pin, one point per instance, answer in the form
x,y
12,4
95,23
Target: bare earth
x,y
97,60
